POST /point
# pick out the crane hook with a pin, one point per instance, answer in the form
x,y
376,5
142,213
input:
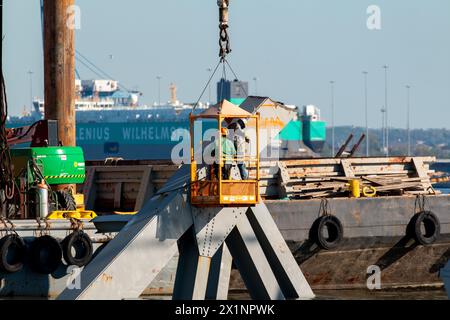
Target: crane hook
x,y
224,39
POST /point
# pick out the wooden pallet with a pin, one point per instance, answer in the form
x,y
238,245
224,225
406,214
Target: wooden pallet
x,y
319,178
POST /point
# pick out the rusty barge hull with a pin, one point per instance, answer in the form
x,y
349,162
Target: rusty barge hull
x,y
374,235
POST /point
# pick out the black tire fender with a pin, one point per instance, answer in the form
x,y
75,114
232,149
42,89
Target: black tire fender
x,y
12,253
334,228
77,249
45,254
431,227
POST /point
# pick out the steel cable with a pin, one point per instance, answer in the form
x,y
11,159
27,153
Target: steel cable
x,y
6,173
206,87
235,76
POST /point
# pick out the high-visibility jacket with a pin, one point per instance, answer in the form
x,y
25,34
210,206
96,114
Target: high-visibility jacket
x,y
228,150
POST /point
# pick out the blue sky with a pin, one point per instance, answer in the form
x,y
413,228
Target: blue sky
x,y
294,47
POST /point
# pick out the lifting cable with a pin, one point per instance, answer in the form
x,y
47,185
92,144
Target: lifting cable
x,y
206,86
223,79
224,39
7,183
236,77
224,50
224,62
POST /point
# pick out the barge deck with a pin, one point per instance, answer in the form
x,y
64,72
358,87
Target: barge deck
x,y
375,230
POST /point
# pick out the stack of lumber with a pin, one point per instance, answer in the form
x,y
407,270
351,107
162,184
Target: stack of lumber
x,y
323,178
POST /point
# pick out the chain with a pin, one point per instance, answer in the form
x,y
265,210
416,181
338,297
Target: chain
x,y
224,44
421,203
76,224
224,39
324,209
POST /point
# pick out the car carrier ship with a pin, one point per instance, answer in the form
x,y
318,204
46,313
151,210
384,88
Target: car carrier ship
x,y
112,122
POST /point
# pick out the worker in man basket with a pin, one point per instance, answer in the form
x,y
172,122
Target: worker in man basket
x,y
228,155
237,135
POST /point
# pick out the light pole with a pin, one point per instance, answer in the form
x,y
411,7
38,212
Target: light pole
x,y
408,119
159,89
383,128
366,113
332,119
385,67
30,73
209,70
256,85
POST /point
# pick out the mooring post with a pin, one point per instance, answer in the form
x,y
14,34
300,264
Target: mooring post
x,y
59,69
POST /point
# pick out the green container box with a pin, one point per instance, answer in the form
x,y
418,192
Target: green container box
x,y
59,165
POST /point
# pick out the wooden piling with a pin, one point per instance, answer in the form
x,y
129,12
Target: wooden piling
x,y
59,71
59,68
